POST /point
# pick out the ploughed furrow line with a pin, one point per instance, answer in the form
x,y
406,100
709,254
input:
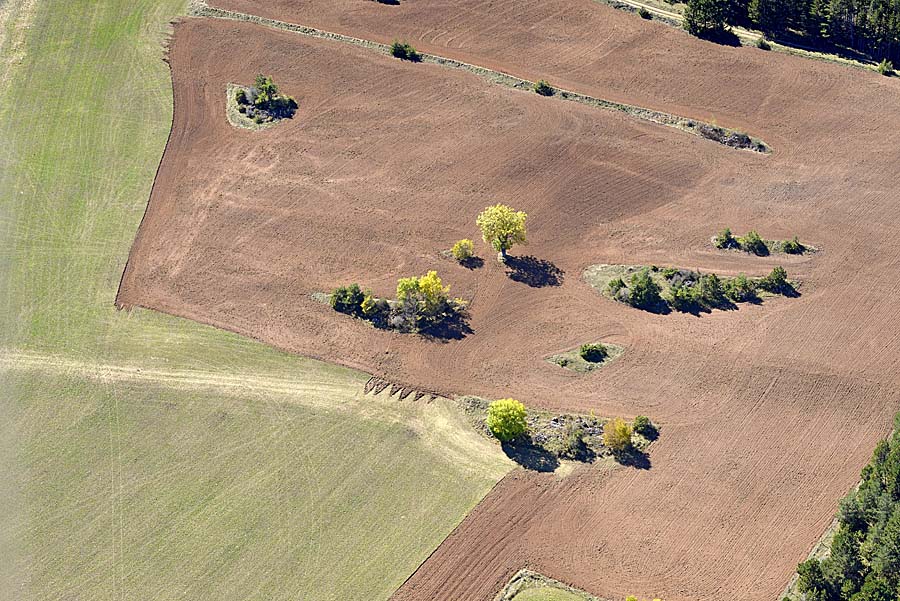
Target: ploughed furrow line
x,y
725,136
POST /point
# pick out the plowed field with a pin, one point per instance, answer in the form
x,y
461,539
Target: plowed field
x,y
768,412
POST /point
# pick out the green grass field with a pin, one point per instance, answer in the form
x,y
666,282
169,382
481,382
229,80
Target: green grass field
x,y
148,457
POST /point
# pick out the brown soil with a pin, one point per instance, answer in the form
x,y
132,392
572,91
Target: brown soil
x,y
767,413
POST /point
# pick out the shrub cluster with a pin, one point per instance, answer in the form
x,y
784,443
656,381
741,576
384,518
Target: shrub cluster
x,y
404,51
886,67
690,291
543,88
594,353
864,563
644,13
263,103
754,243
422,303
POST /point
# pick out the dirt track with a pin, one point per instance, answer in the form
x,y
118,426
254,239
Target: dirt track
x,y
769,412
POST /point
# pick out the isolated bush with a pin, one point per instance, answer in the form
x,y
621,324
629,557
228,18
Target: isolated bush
x,y
501,227
593,352
725,239
506,419
886,67
240,96
266,90
644,13
462,250
543,88
776,281
404,51
617,435
740,289
793,247
753,243
347,299
763,44
643,426
644,291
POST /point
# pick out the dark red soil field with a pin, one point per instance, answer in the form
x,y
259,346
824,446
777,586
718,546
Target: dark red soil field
x,y
768,412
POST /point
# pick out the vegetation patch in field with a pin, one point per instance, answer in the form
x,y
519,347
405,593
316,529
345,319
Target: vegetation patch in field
x,y
862,559
753,243
538,440
422,306
661,290
730,137
527,585
583,360
258,106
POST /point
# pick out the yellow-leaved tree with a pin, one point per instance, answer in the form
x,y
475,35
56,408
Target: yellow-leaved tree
x,y
501,227
617,435
506,419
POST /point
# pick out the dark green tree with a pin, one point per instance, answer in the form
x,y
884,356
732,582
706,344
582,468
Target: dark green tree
x,y
706,18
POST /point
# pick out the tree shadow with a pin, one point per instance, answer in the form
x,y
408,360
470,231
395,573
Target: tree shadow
x,y
453,327
530,456
724,37
534,272
472,263
633,457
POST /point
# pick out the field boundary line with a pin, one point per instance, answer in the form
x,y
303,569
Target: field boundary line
x,y
11,359
199,8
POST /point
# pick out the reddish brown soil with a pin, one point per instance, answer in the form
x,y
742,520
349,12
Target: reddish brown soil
x,y
768,412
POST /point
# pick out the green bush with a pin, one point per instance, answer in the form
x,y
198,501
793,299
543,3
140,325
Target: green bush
x,y
710,291
644,291
404,51
725,239
573,445
543,88
643,426
615,285
463,250
347,299
763,44
593,353
753,243
776,281
506,419
684,298
644,13
240,96
740,289
886,67
793,247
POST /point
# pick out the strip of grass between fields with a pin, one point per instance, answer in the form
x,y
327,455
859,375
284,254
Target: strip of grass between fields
x,y
701,129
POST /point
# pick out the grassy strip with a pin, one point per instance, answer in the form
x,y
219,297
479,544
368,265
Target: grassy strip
x,y
527,585
701,129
